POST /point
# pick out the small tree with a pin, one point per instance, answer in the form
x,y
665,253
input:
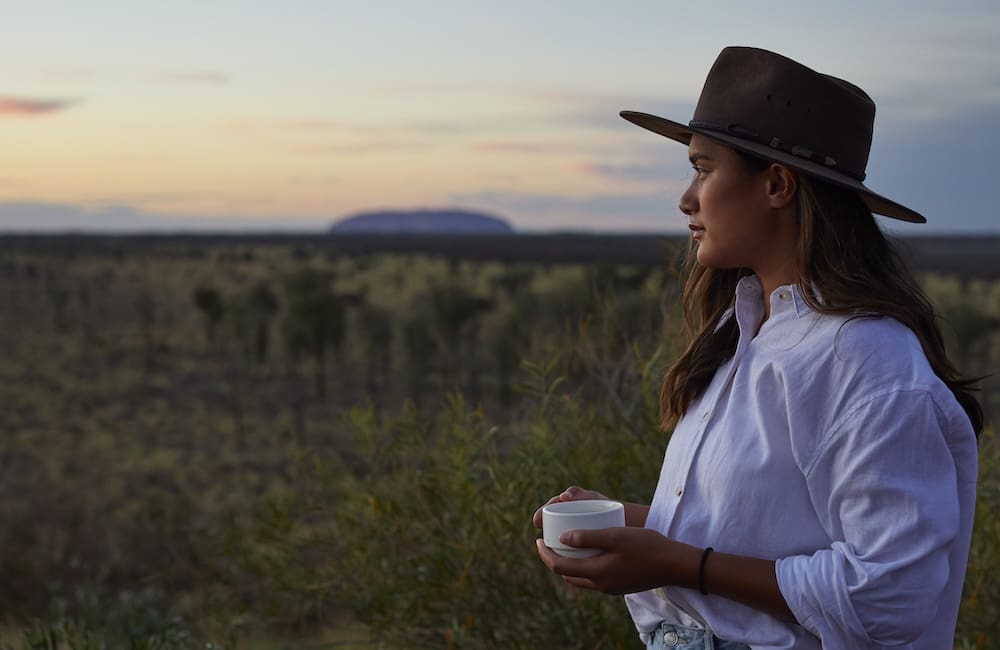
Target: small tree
x,y
456,313
508,341
315,319
209,302
148,312
251,314
376,333
420,347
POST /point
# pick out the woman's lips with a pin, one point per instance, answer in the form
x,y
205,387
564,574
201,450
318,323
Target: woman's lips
x,y
696,231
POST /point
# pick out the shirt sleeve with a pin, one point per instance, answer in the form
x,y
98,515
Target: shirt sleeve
x,y
884,485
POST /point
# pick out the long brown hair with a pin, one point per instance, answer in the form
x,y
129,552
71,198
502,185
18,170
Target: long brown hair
x,y
844,255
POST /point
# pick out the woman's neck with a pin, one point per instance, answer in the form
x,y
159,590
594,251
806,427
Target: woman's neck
x,y
772,279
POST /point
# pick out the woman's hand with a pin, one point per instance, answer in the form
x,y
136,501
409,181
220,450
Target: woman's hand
x,y
635,514
637,559
572,493
634,559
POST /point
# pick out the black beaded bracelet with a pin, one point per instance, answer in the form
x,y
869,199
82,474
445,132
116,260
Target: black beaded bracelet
x,y
701,570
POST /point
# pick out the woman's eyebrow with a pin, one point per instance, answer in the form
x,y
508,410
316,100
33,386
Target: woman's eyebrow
x,y
697,156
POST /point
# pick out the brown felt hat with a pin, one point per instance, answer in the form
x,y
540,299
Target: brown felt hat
x,y
771,107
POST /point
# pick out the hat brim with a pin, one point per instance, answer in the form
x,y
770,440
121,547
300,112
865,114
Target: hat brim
x,y
682,133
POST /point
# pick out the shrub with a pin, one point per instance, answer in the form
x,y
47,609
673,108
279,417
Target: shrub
x,y
436,522
88,619
977,621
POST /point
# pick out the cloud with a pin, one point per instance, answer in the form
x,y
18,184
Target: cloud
x,y
555,95
318,136
80,74
344,127
71,73
944,71
947,173
309,125
528,146
636,212
548,95
641,158
561,112
629,173
559,106
29,217
360,148
442,127
204,77
165,197
605,115
17,106
928,103
315,179
425,87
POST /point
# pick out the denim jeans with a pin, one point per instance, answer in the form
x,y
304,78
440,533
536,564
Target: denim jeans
x,y
670,636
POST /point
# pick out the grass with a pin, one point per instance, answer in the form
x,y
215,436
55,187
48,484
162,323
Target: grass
x,y
142,457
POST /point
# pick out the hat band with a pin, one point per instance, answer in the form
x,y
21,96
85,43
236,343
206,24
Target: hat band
x,y
776,143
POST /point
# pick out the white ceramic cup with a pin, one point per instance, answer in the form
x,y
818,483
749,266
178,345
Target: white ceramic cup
x,y
579,515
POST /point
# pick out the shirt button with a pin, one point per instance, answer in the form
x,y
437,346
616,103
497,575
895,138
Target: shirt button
x,y
679,491
784,295
670,639
704,416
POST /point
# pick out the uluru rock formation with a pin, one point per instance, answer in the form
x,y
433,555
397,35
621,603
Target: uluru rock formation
x,y
430,221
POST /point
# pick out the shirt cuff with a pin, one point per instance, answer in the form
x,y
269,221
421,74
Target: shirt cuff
x,y
807,583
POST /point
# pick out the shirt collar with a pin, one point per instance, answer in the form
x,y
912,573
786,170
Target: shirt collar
x,y
784,298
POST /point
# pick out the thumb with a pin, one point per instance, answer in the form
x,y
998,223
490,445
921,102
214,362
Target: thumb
x,y
596,538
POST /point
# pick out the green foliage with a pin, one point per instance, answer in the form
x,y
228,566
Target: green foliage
x,y
438,533
978,625
190,487
139,620
315,319
251,314
432,518
420,347
376,328
453,308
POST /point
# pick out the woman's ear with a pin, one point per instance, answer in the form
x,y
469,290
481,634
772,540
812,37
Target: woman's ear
x,y
782,185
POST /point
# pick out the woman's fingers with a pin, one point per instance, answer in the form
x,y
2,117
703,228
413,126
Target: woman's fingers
x,y
602,538
569,494
537,517
584,583
555,562
572,493
567,568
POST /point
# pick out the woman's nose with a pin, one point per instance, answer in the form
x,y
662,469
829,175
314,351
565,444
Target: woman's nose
x,y
688,202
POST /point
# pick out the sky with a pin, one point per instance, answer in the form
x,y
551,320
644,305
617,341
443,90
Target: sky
x,y
225,115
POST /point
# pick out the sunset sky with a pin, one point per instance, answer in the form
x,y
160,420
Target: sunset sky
x,y
226,115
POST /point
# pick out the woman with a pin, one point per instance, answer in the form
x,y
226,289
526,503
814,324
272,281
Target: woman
x,y
819,485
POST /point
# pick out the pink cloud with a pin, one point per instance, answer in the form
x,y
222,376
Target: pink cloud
x,y
635,172
320,124
371,146
527,146
24,106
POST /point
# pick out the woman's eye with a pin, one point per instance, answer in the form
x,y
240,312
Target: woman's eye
x,y
698,171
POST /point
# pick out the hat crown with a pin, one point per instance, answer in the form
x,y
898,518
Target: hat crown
x,y
768,98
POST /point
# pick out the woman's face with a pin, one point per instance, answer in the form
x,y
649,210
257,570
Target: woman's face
x,y
730,212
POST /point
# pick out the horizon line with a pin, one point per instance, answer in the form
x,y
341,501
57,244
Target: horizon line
x,y
92,232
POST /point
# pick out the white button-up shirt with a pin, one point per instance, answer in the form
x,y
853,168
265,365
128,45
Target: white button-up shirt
x,y
828,445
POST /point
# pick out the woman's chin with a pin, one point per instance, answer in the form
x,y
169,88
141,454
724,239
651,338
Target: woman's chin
x,y
705,257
